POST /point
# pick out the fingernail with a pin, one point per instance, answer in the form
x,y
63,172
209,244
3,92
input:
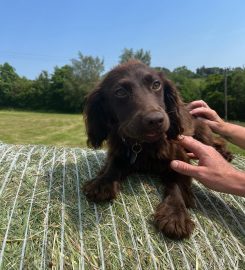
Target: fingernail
x,y
200,118
181,137
174,164
203,104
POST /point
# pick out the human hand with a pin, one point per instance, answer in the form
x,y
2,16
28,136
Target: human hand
x,y
200,109
212,170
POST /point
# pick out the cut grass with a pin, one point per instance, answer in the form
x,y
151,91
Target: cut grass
x,y
47,223
42,128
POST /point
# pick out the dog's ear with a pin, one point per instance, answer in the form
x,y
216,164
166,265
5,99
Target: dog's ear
x,y
173,105
96,118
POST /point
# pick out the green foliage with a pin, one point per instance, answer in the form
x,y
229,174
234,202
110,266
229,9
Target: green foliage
x,y
65,89
8,84
184,71
166,71
213,93
58,92
204,72
141,55
189,88
236,89
86,72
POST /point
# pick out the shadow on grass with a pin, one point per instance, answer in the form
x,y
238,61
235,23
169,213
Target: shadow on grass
x,y
214,207
85,224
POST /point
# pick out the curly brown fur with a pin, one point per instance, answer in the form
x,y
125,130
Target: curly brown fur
x,y
135,108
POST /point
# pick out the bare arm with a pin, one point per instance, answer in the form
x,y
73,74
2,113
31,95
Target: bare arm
x,y
233,133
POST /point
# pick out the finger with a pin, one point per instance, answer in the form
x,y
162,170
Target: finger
x,y
192,145
191,156
197,104
185,168
211,124
204,112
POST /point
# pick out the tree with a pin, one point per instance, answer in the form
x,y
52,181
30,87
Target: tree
x,y
38,95
166,71
141,55
189,87
24,88
236,91
86,72
204,72
8,84
57,93
87,68
184,71
66,88
213,93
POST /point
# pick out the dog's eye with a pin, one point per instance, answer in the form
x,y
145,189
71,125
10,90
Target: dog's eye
x,y
121,92
156,85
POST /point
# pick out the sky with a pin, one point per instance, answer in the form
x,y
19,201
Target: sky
x,y
39,35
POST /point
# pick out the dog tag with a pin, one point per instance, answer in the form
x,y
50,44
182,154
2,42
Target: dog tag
x,y
133,158
136,149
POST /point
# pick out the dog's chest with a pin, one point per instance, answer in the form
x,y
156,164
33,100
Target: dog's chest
x,y
144,163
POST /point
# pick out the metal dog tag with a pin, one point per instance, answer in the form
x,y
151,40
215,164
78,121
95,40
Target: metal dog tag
x,y
133,158
136,149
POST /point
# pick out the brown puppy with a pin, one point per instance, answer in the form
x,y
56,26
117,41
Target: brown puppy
x,y
140,114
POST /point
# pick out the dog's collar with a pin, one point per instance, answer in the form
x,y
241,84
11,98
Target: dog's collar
x,y
133,150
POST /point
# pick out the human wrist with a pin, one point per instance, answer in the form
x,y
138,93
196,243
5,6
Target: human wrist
x,y
223,129
238,183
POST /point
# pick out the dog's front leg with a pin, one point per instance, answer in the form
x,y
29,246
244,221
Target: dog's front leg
x,y
106,185
171,216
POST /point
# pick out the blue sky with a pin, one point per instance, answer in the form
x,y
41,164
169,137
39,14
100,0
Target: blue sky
x,y
38,35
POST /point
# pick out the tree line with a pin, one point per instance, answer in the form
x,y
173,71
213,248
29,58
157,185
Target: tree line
x,y
66,88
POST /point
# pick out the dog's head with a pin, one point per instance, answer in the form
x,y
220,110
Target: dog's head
x,y
134,101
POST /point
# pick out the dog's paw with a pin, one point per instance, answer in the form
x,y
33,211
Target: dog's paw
x,y
172,221
100,191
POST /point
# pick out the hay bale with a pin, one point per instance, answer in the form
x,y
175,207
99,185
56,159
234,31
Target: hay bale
x,y
47,223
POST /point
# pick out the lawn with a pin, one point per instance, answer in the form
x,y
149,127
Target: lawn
x,y
51,129
42,128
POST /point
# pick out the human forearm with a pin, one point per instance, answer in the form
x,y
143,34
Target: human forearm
x,y
237,184
233,133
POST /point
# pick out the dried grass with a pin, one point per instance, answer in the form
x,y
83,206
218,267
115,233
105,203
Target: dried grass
x,y
46,223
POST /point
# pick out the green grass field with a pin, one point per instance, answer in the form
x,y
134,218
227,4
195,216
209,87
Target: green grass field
x,y
42,128
50,129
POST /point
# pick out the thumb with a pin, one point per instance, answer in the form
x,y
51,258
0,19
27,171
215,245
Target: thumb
x,y
185,168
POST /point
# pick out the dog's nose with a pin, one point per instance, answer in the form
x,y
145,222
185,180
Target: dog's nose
x,y
153,120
